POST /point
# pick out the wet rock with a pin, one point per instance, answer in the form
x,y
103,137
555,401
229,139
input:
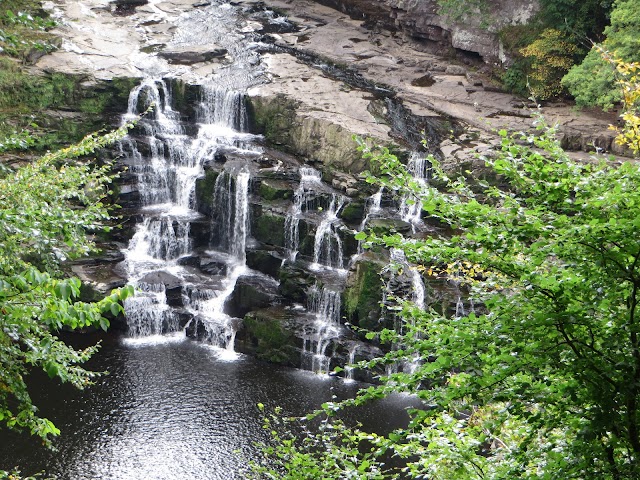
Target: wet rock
x,y
251,293
268,228
267,335
205,188
189,261
270,189
127,7
264,261
98,280
353,212
212,266
388,226
192,54
295,282
363,293
172,286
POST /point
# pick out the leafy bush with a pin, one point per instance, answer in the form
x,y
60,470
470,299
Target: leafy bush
x,y
540,381
552,55
46,209
593,82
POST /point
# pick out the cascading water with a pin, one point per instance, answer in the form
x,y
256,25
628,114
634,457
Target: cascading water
x,y
303,198
371,207
411,206
166,160
324,304
417,296
166,181
207,305
349,368
327,248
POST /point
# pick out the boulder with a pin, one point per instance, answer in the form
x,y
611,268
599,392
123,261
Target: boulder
x,y
264,261
192,54
251,293
363,293
172,286
267,335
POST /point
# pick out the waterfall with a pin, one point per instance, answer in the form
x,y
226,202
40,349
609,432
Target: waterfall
x,y
327,248
166,180
231,212
324,304
417,296
371,208
417,284
222,107
410,206
148,313
303,197
349,369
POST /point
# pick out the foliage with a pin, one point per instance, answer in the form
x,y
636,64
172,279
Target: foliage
x,y
330,450
542,380
16,475
600,89
27,100
459,10
629,135
23,32
46,209
552,57
593,82
21,140
583,19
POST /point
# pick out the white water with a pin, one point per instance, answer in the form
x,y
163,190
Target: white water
x,y
327,248
303,197
166,181
411,206
324,304
349,369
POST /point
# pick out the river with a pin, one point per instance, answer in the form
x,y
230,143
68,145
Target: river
x,y
172,408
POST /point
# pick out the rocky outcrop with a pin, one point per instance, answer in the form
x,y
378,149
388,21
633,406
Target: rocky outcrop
x,y
472,29
319,141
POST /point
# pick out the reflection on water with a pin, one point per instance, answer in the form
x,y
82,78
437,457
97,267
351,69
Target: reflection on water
x,y
171,409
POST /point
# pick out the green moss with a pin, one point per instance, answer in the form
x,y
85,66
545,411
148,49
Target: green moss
x,y
353,212
363,295
205,187
273,342
274,190
58,109
273,118
269,229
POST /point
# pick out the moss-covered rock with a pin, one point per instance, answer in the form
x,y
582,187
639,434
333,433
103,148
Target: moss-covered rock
x,y
363,293
270,189
268,228
273,117
58,108
205,187
295,282
318,140
264,261
265,335
353,212
388,226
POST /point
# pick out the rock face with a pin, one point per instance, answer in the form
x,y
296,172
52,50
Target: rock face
x,y
316,80
471,30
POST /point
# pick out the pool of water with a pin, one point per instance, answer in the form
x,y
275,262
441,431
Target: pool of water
x,y
171,408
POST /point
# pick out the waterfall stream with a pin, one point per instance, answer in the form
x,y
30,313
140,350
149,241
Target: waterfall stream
x,y
410,207
166,179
